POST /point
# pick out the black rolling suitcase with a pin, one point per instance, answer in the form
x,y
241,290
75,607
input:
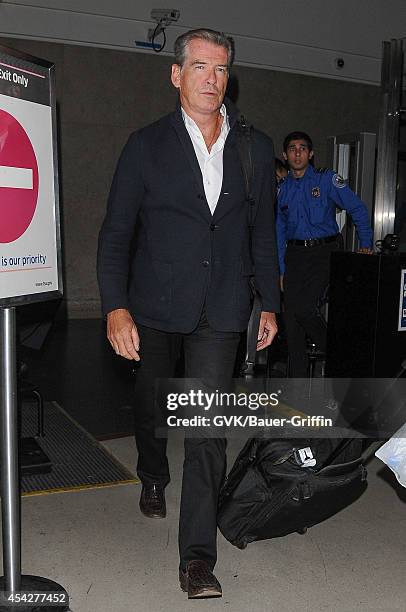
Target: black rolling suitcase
x,y
279,486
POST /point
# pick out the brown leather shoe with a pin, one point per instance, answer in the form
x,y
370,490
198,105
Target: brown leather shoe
x,y
152,501
199,581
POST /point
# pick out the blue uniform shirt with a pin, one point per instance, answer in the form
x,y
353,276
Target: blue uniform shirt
x,y
307,209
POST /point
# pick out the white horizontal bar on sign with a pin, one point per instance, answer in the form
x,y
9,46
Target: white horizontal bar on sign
x,y
16,178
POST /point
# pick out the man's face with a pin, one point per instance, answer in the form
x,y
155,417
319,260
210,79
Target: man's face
x,y
202,80
298,155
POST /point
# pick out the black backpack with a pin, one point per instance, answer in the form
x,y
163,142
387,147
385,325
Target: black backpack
x,y
279,486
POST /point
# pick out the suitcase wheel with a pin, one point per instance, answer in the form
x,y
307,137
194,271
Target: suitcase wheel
x,y
302,531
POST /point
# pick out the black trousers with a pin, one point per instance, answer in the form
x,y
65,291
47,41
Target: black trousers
x,y
210,355
305,281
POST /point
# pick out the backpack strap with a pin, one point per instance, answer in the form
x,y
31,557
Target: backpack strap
x,y
244,144
245,151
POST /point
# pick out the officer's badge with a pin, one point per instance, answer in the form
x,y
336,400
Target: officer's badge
x,y
316,192
338,181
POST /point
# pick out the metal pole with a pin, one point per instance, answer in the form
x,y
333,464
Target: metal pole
x,y
10,499
388,138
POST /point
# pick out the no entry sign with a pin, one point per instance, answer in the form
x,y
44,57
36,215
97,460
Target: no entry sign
x,y
30,262
18,179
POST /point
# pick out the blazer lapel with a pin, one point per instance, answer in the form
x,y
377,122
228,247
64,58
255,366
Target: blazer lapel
x,y
187,145
233,184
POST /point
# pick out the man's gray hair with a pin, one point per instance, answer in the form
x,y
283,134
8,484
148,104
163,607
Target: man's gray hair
x,y
212,36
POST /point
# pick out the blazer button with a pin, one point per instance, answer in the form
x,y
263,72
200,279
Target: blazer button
x,y
213,227
205,263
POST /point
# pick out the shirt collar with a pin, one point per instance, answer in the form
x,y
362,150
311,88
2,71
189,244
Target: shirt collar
x,y
308,173
192,125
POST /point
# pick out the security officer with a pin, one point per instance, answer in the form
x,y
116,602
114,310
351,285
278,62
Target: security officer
x,y
307,232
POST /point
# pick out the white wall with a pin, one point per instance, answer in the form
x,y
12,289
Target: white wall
x,y
292,35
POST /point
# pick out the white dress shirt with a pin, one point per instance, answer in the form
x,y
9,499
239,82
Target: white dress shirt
x,y
211,164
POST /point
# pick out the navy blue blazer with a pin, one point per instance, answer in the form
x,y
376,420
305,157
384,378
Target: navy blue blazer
x,y
184,258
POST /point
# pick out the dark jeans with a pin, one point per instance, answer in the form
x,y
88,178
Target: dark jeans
x,y
210,355
305,281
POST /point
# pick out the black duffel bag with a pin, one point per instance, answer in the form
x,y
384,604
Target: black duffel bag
x,y
280,486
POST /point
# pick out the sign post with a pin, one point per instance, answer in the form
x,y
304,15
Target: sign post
x,y
30,271
9,463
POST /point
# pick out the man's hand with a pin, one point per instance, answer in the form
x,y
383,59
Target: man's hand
x,y
366,251
267,330
122,334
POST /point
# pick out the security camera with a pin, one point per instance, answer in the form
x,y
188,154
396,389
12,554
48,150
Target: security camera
x,y
165,16
339,63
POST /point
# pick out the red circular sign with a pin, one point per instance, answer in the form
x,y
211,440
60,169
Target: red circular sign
x,y
18,179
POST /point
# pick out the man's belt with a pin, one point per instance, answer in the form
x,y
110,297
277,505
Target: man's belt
x,y
311,242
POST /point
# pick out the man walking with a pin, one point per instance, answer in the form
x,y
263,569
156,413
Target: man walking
x,y
180,179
